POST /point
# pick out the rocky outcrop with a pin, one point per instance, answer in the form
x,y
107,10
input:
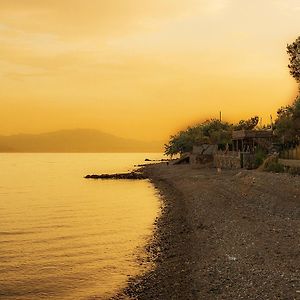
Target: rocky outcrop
x,y
131,175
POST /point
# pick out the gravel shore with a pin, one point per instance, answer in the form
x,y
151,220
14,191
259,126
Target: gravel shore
x,y
232,235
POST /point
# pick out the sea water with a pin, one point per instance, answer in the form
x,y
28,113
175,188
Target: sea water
x,y
66,237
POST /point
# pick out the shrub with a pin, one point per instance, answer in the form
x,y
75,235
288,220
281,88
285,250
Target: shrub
x,y
275,167
271,164
259,158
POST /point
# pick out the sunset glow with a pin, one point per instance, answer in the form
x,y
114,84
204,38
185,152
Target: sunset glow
x,y
142,69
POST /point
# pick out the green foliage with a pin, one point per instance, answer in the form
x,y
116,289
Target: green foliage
x,y
260,156
179,143
294,52
247,124
271,164
275,167
211,132
287,124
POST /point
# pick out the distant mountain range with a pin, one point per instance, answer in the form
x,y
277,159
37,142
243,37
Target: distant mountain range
x,y
77,140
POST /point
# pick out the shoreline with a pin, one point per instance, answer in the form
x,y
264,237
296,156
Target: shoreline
x,y
164,250
222,236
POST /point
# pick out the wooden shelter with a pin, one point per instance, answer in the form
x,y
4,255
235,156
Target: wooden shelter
x,y
249,140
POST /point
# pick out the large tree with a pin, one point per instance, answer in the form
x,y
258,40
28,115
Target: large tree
x,y
287,124
211,131
294,52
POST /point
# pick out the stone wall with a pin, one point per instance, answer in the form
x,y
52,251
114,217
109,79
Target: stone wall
x,y
229,160
234,160
200,159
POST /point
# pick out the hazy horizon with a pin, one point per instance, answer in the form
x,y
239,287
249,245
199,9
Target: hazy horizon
x,y
76,141
79,129
142,69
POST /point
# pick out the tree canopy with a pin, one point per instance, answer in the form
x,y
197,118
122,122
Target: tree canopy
x,y
247,124
287,124
209,132
294,52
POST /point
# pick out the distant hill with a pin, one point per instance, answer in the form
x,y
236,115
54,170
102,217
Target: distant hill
x,y
77,140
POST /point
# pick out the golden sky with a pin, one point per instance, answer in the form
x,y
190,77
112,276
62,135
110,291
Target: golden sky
x,y
142,69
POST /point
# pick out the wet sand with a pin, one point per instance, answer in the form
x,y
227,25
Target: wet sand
x,y
233,235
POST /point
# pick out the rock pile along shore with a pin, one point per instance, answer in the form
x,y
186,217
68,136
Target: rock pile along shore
x,y
131,175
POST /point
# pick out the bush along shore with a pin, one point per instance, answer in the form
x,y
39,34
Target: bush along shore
x,y
228,235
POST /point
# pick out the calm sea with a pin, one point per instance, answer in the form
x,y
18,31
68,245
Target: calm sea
x,y
66,237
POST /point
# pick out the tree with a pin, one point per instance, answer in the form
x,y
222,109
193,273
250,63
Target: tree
x,y
294,52
179,143
287,124
212,131
209,132
247,124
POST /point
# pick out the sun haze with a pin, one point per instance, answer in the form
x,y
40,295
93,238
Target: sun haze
x,y
142,69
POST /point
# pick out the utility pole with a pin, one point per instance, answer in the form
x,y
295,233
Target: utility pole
x,y
220,116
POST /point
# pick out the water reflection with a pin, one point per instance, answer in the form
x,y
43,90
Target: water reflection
x,y
64,237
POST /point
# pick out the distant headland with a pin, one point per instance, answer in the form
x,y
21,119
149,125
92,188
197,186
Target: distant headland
x,y
76,140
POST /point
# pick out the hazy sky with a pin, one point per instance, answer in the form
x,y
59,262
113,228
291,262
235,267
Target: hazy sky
x,y
140,68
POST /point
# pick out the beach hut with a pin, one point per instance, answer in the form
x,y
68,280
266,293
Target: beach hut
x,y
250,140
